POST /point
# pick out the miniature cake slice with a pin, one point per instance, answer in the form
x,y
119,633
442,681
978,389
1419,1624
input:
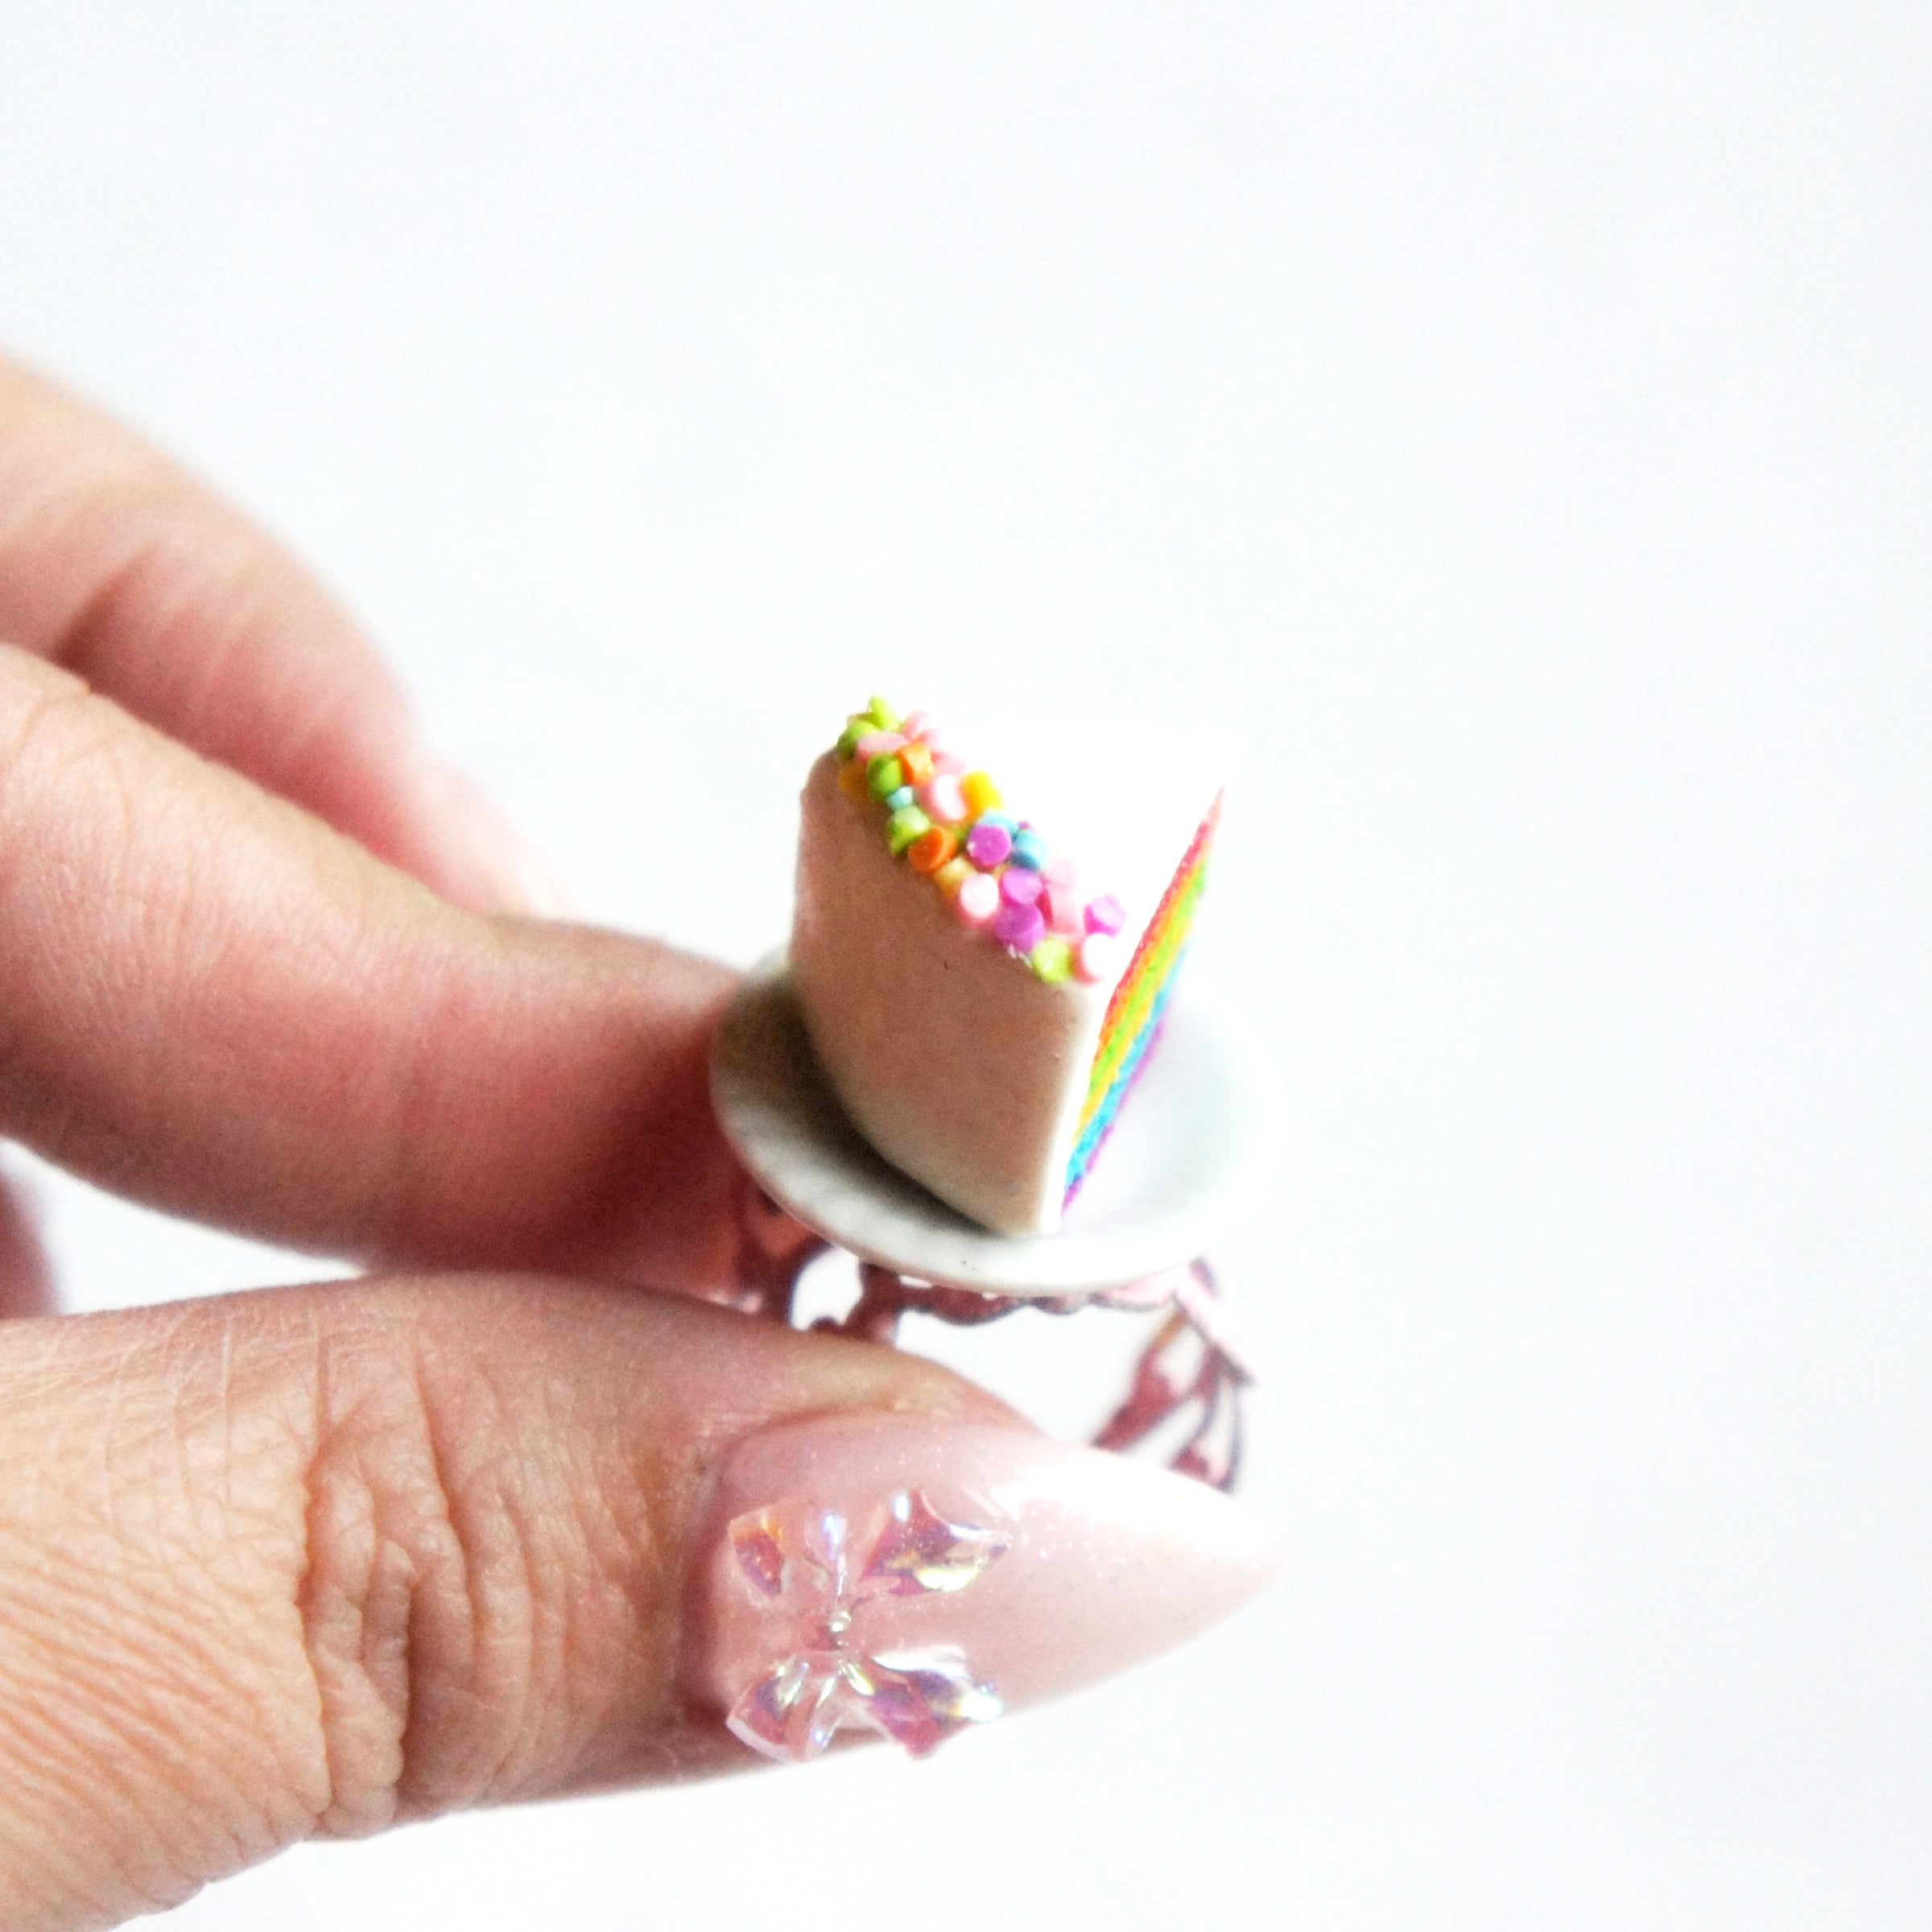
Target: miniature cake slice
x,y
982,987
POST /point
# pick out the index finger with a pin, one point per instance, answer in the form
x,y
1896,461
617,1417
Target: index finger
x,y
117,565
210,1002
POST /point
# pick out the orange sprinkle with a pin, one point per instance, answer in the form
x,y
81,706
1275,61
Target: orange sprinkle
x,y
915,760
932,849
852,780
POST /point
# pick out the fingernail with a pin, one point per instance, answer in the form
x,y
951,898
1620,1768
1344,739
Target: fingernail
x,y
506,863
915,1577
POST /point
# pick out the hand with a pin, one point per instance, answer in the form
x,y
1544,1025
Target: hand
x,y
315,1560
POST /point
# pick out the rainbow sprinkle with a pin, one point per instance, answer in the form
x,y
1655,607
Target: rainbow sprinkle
x,y
950,825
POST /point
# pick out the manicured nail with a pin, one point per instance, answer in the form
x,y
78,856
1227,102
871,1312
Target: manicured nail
x,y
913,1577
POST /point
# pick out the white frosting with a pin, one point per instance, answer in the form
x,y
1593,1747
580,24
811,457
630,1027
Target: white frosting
x,y
954,1060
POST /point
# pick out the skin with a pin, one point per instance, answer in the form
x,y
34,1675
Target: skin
x,y
318,1560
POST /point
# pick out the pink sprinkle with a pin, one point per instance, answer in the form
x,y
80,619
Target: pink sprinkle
x,y
944,802
1061,901
989,845
1105,914
918,724
875,743
1062,911
949,764
1093,958
978,898
1019,927
1018,887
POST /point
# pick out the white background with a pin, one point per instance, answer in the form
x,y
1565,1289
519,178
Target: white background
x,y
1517,415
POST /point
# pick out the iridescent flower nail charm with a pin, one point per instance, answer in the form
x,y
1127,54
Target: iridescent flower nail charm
x,y
798,1561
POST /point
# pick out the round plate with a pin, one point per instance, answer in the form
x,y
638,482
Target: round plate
x,y
1157,1195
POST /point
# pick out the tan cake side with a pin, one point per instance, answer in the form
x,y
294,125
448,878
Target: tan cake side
x,y
956,1061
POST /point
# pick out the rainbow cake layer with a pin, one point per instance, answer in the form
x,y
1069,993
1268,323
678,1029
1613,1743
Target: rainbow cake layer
x,y
1139,1004
981,1004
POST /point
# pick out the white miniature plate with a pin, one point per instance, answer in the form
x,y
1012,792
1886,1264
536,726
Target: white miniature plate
x,y
1159,1193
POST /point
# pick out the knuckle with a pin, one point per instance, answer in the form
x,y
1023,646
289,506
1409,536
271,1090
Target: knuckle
x,y
463,1611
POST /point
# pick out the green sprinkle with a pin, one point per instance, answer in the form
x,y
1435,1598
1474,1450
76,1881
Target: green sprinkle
x,y
858,725
904,826
1052,960
884,717
884,775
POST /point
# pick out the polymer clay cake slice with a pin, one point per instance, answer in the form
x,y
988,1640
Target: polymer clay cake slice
x,y
984,966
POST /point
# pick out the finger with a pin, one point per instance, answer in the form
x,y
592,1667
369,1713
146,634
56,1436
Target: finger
x,y
319,1560
27,1277
117,565
212,1003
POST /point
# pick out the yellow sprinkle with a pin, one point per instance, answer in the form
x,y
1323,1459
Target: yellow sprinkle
x,y
981,794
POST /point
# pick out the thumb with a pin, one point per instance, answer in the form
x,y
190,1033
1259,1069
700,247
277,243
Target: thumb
x,y
318,1560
